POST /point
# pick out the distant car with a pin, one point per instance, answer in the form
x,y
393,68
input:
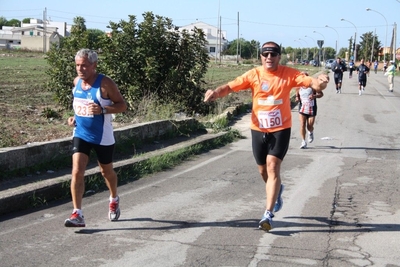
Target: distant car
x,y
328,63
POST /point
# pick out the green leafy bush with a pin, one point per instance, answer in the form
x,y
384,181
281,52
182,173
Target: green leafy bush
x,y
151,58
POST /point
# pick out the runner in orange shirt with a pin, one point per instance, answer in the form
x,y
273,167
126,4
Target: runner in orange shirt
x,y
271,121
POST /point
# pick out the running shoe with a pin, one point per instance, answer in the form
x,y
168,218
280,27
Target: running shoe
x,y
303,144
279,200
359,92
311,137
266,221
75,221
114,212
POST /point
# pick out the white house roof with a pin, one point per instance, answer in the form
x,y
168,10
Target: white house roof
x,y
35,27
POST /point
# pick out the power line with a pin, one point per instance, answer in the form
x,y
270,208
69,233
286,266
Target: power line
x,y
20,10
179,19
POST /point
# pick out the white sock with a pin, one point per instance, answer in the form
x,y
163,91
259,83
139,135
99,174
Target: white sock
x,y
79,211
115,199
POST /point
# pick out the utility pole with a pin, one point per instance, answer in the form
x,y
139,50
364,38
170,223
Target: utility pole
x,y
220,40
44,30
216,46
355,47
237,43
394,41
373,43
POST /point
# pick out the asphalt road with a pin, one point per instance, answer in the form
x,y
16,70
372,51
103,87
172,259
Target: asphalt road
x,y
341,202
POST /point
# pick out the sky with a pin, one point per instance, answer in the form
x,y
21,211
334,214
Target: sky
x,y
289,23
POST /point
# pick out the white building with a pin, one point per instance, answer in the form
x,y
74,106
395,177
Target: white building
x,y
217,41
36,35
62,28
9,39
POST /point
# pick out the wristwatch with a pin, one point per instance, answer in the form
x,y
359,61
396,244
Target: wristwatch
x,y
103,110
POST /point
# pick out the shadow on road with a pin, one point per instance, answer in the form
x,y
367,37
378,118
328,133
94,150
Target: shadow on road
x,y
171,224
321,225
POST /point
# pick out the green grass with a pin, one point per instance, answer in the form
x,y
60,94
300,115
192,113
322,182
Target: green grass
x,y
220,74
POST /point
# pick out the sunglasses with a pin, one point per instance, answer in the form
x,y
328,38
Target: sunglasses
x,y
272,54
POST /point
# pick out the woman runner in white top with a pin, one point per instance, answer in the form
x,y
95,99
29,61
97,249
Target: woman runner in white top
x,y
307,112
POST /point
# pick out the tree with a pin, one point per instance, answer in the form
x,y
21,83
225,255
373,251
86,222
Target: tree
x,y
3,22
79,25
366,50
150,59
154,59
292,53
232,48
330,52
247,49
342,52
351,48
26,20
94,36
13,23
255,48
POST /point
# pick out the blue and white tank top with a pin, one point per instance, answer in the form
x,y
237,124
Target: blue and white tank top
x,y
95,129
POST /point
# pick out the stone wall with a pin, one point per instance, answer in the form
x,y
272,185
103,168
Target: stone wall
x,y
14,158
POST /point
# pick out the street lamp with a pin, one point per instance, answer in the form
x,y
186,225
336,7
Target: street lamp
x,y
323,37
313,42
355,37
337,40
384,54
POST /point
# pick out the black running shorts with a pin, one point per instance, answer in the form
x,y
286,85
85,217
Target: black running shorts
x,y
275,144
104,153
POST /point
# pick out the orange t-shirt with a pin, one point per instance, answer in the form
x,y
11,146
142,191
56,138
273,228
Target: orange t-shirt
x,y
271,110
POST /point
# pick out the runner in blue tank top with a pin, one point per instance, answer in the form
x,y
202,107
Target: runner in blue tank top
x,y
96,98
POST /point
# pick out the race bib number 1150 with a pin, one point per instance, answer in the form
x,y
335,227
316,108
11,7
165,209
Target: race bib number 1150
x,y
269,119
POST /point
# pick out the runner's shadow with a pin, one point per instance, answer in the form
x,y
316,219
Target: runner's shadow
x,y
356,147
326,225
173,225
281,228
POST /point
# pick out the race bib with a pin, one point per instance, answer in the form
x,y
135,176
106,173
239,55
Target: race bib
x,y
81,107
269,119
306,105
